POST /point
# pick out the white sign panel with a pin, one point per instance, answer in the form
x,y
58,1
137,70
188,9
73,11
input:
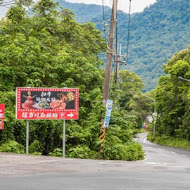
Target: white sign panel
x,y
109,104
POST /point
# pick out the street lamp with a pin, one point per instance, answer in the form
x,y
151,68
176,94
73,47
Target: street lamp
x,y
154,115
184,79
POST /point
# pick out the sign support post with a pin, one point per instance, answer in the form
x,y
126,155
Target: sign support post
x,y
47,104
27,135
64,138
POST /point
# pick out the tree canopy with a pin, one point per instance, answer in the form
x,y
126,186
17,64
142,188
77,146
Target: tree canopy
x,y
46,47
172,95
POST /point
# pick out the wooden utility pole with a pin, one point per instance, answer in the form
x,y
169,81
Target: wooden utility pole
x,y
109,53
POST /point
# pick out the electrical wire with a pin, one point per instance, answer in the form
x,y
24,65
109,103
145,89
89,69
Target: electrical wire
x,y
5,4
129,20
103,17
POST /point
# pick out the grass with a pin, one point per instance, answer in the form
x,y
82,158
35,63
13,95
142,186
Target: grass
x,y
170,141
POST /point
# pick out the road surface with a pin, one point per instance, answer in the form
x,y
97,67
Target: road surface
x,y
164,168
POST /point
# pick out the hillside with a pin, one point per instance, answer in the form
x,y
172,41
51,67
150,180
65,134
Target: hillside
x,y
83,12
155,34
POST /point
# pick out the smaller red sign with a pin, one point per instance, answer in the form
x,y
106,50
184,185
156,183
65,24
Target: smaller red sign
x,y
2,116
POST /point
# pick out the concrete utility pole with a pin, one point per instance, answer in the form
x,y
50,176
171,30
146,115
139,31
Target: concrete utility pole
x,y
119,59
109,53
117,66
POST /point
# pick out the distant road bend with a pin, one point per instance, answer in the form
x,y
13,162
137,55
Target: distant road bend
x,y
164,168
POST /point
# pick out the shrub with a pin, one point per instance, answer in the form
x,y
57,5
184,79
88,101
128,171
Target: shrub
x,y
123,152
56,152
170,141
82,151
12,146
35,147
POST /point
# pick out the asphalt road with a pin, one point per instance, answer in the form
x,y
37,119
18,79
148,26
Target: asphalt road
x,y
163,169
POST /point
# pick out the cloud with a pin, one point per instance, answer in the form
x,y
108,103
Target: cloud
x,y
136,6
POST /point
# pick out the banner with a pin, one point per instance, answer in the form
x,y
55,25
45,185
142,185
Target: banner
x,y
2,116
47,103
109,104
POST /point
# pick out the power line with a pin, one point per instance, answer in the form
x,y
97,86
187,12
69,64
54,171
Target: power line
x,y
128,29
103,17
4,4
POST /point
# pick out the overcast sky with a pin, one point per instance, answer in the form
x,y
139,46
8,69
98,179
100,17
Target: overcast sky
x,y
136,6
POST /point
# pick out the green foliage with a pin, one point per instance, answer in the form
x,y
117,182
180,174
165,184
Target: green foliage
x,y
119,144
170,141
127,96
82,151
12,146
56,152
172,98
121,151
35,147
48,48
43,50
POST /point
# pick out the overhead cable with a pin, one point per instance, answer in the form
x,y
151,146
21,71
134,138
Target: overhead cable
x,y
129,20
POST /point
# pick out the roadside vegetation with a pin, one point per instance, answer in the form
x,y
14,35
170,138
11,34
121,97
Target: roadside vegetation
x,y
45,47
169,141
173,102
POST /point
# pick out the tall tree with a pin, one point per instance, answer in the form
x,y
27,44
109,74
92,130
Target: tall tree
x,y
172,97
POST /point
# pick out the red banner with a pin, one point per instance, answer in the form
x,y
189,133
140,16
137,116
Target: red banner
x,y
47,103
2,116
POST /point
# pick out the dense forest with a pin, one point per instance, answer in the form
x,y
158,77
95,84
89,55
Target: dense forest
x,y
48,48
155,34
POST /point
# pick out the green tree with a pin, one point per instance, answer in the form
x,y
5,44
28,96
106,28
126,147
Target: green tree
x,y
172,97
48,48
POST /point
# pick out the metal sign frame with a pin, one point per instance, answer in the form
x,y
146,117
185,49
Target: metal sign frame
x,y
47,103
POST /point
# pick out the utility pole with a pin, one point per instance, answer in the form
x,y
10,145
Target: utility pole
x,y
109,53
118,61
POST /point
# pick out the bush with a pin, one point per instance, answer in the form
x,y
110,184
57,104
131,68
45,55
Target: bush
x,y
82,151
150,137
170,141
56,152
124,152
35,147
12,146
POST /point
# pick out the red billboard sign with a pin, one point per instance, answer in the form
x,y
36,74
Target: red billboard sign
x,y
47,103
2,116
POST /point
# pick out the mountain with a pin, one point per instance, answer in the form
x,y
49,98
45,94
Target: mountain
x,y
83,12
155,34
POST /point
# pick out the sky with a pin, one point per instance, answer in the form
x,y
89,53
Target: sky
x,y
136,5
